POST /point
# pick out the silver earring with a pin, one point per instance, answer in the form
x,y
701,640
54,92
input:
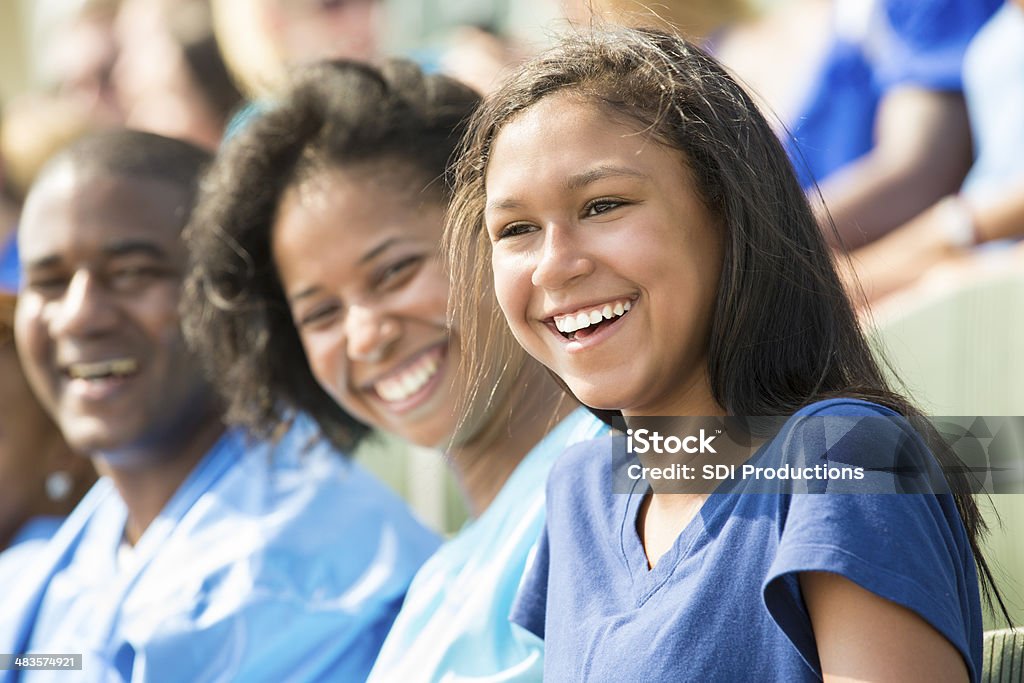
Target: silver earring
x,y
59,485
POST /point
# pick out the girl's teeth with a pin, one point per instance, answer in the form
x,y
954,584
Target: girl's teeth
x,y
410,381
572,323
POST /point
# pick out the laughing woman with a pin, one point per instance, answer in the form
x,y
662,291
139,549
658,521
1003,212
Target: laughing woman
x,y
317,287
647,241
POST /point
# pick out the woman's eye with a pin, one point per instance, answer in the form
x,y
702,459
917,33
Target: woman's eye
x,y
319,315
394,273
599,206
514,230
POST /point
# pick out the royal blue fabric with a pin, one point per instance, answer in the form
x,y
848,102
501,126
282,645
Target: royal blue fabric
x,y
9,272
723,603
917,43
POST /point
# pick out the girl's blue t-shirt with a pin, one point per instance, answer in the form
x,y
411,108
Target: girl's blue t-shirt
x,y
724,604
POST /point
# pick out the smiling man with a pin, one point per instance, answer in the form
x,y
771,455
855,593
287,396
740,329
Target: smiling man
x,y
200,555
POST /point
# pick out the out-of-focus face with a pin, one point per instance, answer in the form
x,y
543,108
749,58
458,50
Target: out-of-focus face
x,y
358,263
153,80
83,58
606,261
97,321
311,30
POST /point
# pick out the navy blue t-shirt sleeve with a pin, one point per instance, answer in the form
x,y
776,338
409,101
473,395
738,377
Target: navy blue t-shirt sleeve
x,y
909,548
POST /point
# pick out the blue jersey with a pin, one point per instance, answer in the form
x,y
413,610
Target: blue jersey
x,y
724,603
271,562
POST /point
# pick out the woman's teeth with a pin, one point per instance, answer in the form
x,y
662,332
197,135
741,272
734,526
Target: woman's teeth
x,y
578,321
410,380
102,369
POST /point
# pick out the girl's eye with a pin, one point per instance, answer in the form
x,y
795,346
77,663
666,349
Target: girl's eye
x,y
514,230
395,273
599,206
320,315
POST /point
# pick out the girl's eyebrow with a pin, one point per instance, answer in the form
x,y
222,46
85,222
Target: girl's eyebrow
x,y
581,180
576,181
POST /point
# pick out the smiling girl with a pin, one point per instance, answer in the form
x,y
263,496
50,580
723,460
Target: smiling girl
x,y
317,287
647,241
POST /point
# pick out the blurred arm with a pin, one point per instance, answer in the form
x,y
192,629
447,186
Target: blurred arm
x,y
922,152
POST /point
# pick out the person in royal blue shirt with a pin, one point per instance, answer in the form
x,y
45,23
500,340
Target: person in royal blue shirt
x,y
664,262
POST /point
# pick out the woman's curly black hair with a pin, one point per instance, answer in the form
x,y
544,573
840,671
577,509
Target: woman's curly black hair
x,y
331,115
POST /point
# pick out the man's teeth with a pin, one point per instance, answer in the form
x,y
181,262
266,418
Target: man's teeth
x,y
410,380
103,369
578,321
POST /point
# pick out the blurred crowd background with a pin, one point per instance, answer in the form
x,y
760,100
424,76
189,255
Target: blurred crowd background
x,y
945,313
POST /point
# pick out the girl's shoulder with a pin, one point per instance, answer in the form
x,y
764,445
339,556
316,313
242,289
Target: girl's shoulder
x,y
841,406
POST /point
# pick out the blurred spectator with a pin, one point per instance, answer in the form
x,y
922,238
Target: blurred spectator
x,y
479,56
881,123
261,38
990,204
80,59
41,480
170,76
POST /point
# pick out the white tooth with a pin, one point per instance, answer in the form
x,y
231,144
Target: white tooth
x,y
566,325
626,306
606,312
582,320
408,385
595,317
618,310
388,389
